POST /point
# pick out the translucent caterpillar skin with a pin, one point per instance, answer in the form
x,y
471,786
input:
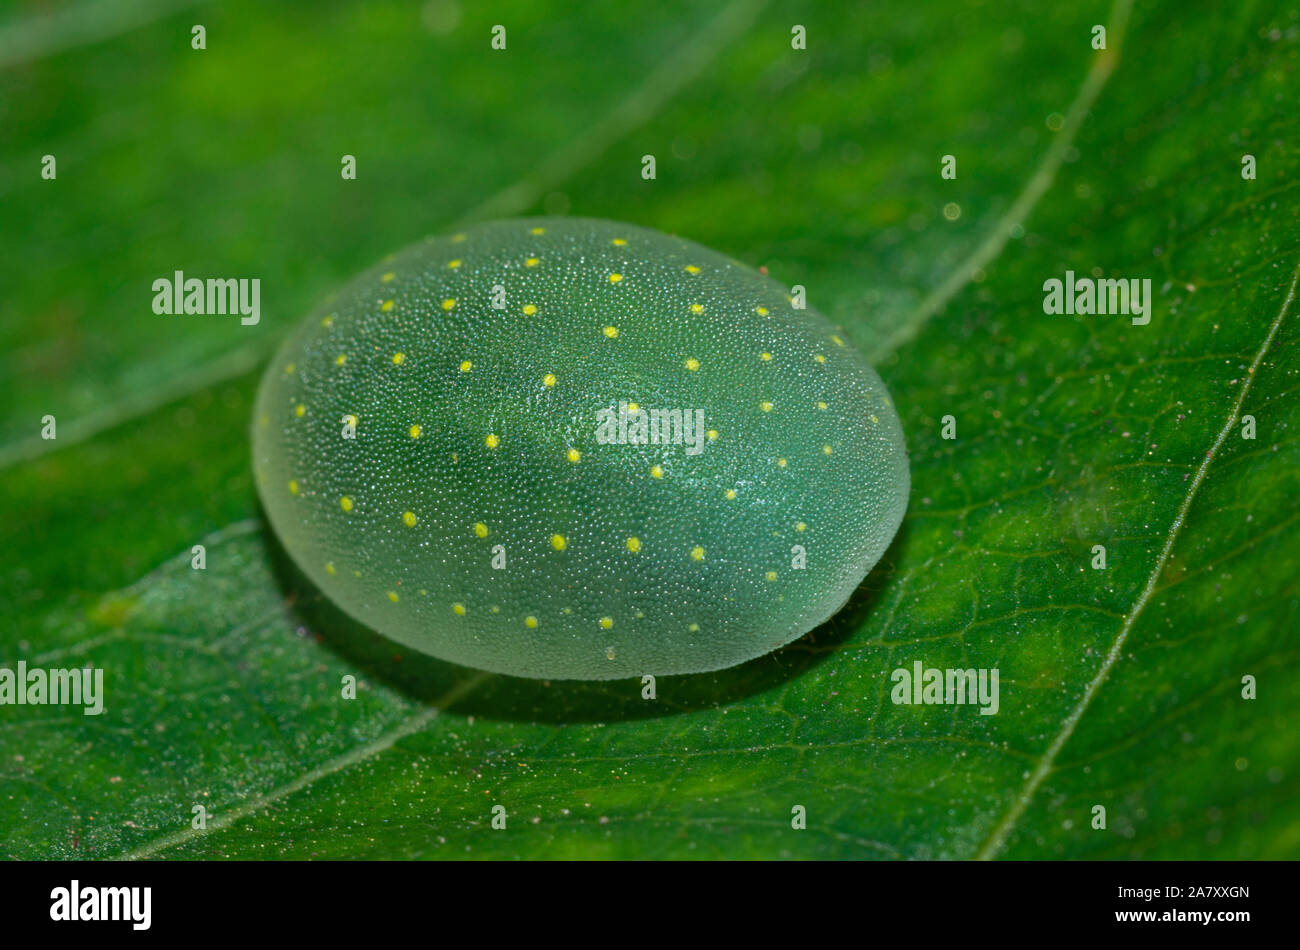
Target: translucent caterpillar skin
x,y
478,516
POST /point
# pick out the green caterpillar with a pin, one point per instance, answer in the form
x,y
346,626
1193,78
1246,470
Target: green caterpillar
x,y
577,449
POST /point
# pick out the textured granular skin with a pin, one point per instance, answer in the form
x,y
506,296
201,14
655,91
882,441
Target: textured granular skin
x,y
477,515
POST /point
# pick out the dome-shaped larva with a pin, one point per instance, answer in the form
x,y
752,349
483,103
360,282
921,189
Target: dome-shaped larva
x,y
578,449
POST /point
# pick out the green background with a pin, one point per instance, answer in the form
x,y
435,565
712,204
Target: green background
x,y
1119,687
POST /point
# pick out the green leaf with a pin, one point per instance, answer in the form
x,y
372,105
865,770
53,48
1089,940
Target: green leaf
x,y
1120,687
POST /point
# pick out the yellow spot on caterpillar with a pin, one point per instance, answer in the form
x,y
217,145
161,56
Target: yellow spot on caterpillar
x,y
712,434
827,449
340,359
289,369
765,406
387,305
634,544
329,568
692,269
573,455
765,357
466,366
801,527
481,530
531,262
548,379
837,341
454,264
606,623
730,494
414,431
618,242
697,308
387,277
352,420
780,463
345,503
299,410
293,487
491,441
692,364
449,303
399,359
761,311
539,230
615,278
392,595
819,358
458,609
697,553
694,628
611,332
530,622
558,542
632,407
409,519
874,420
327,321
529,309
656,471
821,405
770,575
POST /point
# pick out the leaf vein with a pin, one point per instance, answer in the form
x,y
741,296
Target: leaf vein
x,y
998,838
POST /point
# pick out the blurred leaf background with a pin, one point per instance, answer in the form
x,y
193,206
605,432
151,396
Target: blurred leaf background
x,y
1119,687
